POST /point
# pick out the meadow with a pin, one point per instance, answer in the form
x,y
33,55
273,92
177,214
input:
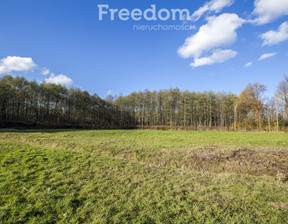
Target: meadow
x,y
143,176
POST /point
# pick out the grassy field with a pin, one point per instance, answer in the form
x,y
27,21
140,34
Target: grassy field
x,y
136,176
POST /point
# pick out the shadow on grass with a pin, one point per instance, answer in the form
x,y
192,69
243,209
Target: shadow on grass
x,y
51,130
11,130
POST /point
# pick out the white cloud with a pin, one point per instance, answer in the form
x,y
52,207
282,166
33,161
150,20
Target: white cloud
x,y
269,10
110,92
59,80
274,37
45,71
218,56
248,64
16,64
219,31
265,56
212,6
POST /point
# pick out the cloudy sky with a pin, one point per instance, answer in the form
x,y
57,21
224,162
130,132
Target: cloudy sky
x,y
231,43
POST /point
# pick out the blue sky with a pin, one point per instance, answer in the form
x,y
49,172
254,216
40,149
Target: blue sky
x,y
66,41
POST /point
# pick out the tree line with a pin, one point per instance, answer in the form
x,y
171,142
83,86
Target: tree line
x,y
30,104
174,108
49,105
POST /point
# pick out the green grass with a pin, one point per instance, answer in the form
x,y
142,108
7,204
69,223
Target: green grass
x,y
158,139
142,177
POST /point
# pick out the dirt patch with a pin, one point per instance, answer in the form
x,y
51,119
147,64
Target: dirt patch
x,y
241,160
283,206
